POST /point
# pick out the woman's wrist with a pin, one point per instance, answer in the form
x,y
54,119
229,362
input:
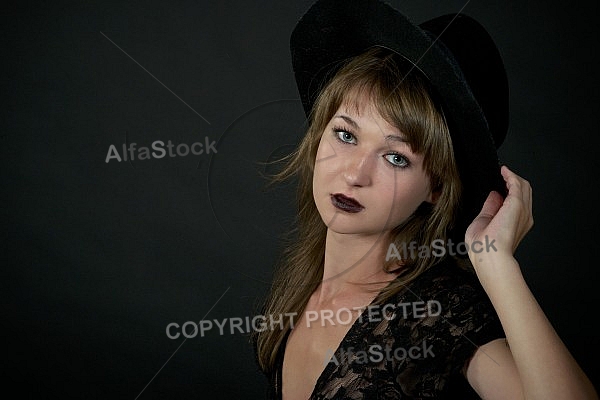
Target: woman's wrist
x,y
497,272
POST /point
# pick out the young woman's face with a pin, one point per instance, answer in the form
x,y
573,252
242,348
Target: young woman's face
x,y
366,178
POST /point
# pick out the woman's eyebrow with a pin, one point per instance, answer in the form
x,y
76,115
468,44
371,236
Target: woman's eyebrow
x,y
348,120
395,138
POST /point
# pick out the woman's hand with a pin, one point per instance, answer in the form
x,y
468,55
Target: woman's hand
x,y
505,222
537,362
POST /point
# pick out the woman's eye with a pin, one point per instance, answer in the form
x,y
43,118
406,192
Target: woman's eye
x,y
397,160
345,136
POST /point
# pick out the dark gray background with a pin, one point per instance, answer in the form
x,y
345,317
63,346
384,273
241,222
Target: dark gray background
x,y
99,257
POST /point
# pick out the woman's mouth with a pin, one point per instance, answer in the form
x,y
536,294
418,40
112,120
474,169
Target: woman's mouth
x,y
345,203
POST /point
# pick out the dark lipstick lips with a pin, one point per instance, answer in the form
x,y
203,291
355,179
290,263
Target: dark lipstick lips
x,y
346,203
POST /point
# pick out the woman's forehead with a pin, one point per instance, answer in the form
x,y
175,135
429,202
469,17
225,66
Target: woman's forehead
x,y
360,104
360,100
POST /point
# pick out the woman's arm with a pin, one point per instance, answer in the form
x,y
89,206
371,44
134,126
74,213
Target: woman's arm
x,y
535,363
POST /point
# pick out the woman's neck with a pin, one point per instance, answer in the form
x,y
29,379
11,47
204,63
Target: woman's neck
x,y
352,259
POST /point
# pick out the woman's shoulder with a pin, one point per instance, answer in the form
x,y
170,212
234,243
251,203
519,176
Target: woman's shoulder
x,y
445,312
448,299
449,280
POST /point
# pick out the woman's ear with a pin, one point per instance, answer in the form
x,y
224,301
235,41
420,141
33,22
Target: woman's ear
x,y
434,195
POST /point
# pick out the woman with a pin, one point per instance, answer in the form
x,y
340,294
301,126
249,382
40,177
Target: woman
x,y
398,175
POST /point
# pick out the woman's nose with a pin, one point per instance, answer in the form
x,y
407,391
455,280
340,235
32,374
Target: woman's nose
x,y
358,170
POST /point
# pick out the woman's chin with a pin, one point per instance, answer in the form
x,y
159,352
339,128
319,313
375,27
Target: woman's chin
x,y
354,228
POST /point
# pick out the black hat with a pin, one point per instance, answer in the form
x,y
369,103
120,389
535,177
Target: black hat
x,y
454,52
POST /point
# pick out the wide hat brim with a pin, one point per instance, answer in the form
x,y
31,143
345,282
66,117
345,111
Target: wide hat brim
x,y
454,52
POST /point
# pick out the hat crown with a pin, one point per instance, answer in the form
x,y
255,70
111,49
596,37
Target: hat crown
x,y
463,38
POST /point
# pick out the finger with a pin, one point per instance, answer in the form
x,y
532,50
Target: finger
x,y
530,204
491,205
520,188
514,183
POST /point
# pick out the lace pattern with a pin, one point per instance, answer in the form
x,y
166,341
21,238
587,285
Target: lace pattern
x,y
409,353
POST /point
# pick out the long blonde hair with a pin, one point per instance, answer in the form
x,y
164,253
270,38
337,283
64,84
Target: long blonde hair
x,y
406,102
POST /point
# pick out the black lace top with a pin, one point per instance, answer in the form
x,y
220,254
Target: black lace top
x,y
411,351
